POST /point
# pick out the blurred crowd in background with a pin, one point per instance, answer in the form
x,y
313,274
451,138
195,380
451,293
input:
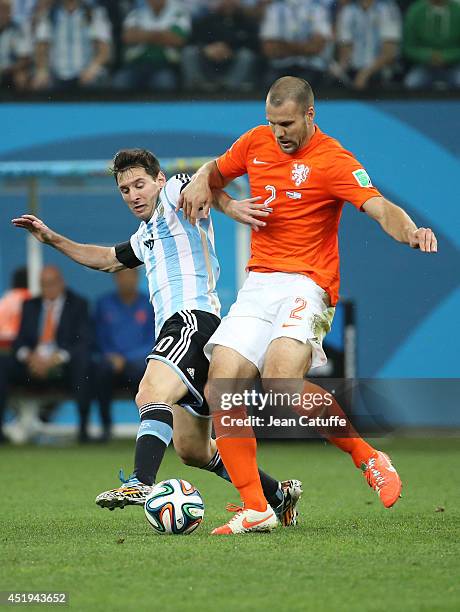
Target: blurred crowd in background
x,y
228,45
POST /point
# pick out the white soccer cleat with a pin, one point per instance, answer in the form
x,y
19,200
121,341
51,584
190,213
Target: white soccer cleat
x,y
131,493
247,521
292,492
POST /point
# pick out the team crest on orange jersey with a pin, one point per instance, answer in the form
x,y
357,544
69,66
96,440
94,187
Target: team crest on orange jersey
x,y
300,174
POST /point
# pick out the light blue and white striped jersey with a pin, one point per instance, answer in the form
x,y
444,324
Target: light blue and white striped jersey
x,y
180,259
72,37
297,21
15,44
366,29
22,10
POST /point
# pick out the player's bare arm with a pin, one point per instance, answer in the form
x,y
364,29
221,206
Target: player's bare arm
x,y
397,224
93,256
197,198
249,211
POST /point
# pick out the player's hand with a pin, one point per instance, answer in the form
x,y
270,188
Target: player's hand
x,y
249,211
423,238
36,227
195,200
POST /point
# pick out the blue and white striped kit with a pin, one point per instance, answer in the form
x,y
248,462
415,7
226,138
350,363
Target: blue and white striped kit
x,y
180,259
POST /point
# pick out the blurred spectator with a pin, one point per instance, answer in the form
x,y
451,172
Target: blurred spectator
x,y
15,49
22,11
73,46
27,12
11,308
223,50
153,36
125,334
295,36
255,8
432,43
10,321
368,39
53,344
196,8
116,12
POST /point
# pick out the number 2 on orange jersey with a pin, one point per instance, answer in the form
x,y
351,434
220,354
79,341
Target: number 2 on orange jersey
x,y
272,195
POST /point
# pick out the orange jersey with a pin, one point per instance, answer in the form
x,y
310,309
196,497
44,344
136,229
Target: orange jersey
x,y
307,191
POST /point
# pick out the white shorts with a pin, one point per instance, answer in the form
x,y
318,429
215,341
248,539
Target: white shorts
x,y
275,305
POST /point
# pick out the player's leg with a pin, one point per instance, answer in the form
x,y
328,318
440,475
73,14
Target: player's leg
x,y
287,361
160,388
169,378
237,445
237,351
195,447
289,358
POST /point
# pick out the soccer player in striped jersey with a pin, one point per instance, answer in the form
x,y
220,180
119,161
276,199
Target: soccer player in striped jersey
x,y
182,269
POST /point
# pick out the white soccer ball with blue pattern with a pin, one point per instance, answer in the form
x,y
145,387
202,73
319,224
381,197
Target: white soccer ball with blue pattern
x,y
174,507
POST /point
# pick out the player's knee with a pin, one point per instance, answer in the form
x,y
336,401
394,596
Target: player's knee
x,y
144,395
219,392
189,453
280,370
154,393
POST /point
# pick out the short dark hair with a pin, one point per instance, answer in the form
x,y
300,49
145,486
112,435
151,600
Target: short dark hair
x,y
135,158
291,88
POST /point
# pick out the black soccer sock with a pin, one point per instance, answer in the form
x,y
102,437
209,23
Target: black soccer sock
x,y
154,435
271,487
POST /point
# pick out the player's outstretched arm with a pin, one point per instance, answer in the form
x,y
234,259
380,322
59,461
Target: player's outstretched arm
x,y
92,256
397,224
248,211
196,199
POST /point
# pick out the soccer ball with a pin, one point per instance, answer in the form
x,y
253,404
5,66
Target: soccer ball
x,y
174,507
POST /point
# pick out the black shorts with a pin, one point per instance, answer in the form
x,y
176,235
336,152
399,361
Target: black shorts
x,y
180,344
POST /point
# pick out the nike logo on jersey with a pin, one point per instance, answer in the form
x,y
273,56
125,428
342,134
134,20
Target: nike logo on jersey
x,y
258,162
290,325
294,195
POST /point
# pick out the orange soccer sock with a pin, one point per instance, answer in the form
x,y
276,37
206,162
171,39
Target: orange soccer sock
x,y
239,455
358,448
349,440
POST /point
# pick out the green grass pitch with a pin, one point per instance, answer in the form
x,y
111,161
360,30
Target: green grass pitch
x,y
347,553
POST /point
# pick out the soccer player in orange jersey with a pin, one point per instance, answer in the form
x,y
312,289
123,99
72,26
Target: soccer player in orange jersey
x,y
276,326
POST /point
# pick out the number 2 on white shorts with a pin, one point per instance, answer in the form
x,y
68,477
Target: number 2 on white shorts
x,y
302,304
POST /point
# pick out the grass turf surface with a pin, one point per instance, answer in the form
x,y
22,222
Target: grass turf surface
x,y
347,553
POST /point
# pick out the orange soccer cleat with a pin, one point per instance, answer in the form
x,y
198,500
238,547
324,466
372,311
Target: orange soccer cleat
x,y
247,521
383,478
